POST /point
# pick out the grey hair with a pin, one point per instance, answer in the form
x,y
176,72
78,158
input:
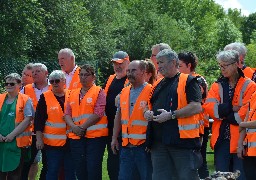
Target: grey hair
x,y
229,56
15,76
161,46
41,65
239,47
29,66
57,74
67,51
142,64
168,54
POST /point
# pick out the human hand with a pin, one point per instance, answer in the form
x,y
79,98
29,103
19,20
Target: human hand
x,y
9,138
147,149
79,131
148,115
2,138
39,143
240,152
114,145
236,108
164,116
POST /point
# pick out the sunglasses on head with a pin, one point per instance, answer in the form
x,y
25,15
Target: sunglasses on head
x,y
56,81
11,84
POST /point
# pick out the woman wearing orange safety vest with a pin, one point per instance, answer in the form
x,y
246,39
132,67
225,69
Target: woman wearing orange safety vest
x,y
226,104
187,64
51,128
16,113
246,149
88,126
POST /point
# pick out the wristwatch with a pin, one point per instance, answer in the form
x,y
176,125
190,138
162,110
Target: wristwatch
x,y
173,116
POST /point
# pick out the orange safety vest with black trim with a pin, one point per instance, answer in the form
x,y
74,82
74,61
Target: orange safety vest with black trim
x,y
55,126
24,139
75,82
248,72
250,139
243,91
134,126
29,90
83,110
188,126
110,80
203,115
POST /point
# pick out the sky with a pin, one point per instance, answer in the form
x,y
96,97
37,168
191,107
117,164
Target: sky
x,y
247,6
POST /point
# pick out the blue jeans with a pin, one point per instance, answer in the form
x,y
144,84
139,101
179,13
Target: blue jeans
x,y
223,159
55,158
87,154
174,163
132,158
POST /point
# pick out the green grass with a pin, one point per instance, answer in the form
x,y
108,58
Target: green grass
x,y
210,161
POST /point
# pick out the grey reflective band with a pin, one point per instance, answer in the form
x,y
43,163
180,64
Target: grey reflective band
x,y
97,126
251,144
139,122
69,131
221,93
216,111
212,100
245,85
124,122
189,127
250,130
55,125
134,136
52,136
83,116
24,134
237,118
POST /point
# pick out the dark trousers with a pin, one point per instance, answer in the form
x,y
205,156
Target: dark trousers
x,y
223,158
249,164
203,170
112,161
87,155
55,159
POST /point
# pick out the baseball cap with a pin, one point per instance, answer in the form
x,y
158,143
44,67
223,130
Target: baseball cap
x,y
120,57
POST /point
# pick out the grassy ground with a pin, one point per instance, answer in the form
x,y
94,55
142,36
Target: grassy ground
x,y
210,160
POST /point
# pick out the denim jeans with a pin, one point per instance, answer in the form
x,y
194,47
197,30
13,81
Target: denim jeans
x,y
174,163
87,155
55,158
223,159
132,158
249,164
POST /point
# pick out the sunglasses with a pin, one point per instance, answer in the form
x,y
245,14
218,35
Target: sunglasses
x,y
11,84
56,81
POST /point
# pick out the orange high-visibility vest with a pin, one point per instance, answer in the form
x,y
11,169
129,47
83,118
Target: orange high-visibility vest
x,y
75,82
243,91
134,126
250,139
110,80
24,139
248,72
83,110
55,126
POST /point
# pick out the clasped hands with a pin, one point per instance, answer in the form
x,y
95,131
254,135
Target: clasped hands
x,y
8,138
164,116
78,130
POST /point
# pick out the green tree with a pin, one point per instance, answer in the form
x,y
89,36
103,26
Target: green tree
x,y
249,25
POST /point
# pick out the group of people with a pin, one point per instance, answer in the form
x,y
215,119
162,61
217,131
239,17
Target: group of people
x,y
152,116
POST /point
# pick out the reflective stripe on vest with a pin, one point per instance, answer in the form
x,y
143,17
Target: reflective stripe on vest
x,y
250,130
244,87
55,125
52,136
251,144
83,116
97,127
189,126
134,136
135,122
237,118
24,134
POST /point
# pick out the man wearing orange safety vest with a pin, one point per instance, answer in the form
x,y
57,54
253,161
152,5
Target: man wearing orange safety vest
x,y
242,50
113,86
187,65
173,130
34,90
130,121
226,104
246,148
67,62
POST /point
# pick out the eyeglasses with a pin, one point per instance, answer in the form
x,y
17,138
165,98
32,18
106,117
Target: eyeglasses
x,y
11,84
224,66
85,74
56,81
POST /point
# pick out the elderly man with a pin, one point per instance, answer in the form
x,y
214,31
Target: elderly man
x,y
67,61
34,90
173,130
155,50
113,87
129,118
242,50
